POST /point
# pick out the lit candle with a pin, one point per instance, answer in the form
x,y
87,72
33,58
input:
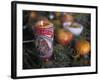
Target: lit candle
x,y
44,39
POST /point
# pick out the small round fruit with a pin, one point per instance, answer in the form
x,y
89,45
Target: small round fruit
x,y
33,15
64,37
67,18
82,47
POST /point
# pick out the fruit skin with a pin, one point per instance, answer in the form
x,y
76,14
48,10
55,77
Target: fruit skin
x,y
33,15
63,37
82,47
67,18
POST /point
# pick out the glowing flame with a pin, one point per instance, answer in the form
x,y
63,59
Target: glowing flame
x,y
41,23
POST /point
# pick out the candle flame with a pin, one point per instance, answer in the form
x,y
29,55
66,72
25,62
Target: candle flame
x,y
41,23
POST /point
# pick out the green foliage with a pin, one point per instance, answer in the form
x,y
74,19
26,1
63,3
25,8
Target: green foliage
x,y
63,56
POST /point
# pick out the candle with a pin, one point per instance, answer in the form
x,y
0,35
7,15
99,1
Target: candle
x,y
44,39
